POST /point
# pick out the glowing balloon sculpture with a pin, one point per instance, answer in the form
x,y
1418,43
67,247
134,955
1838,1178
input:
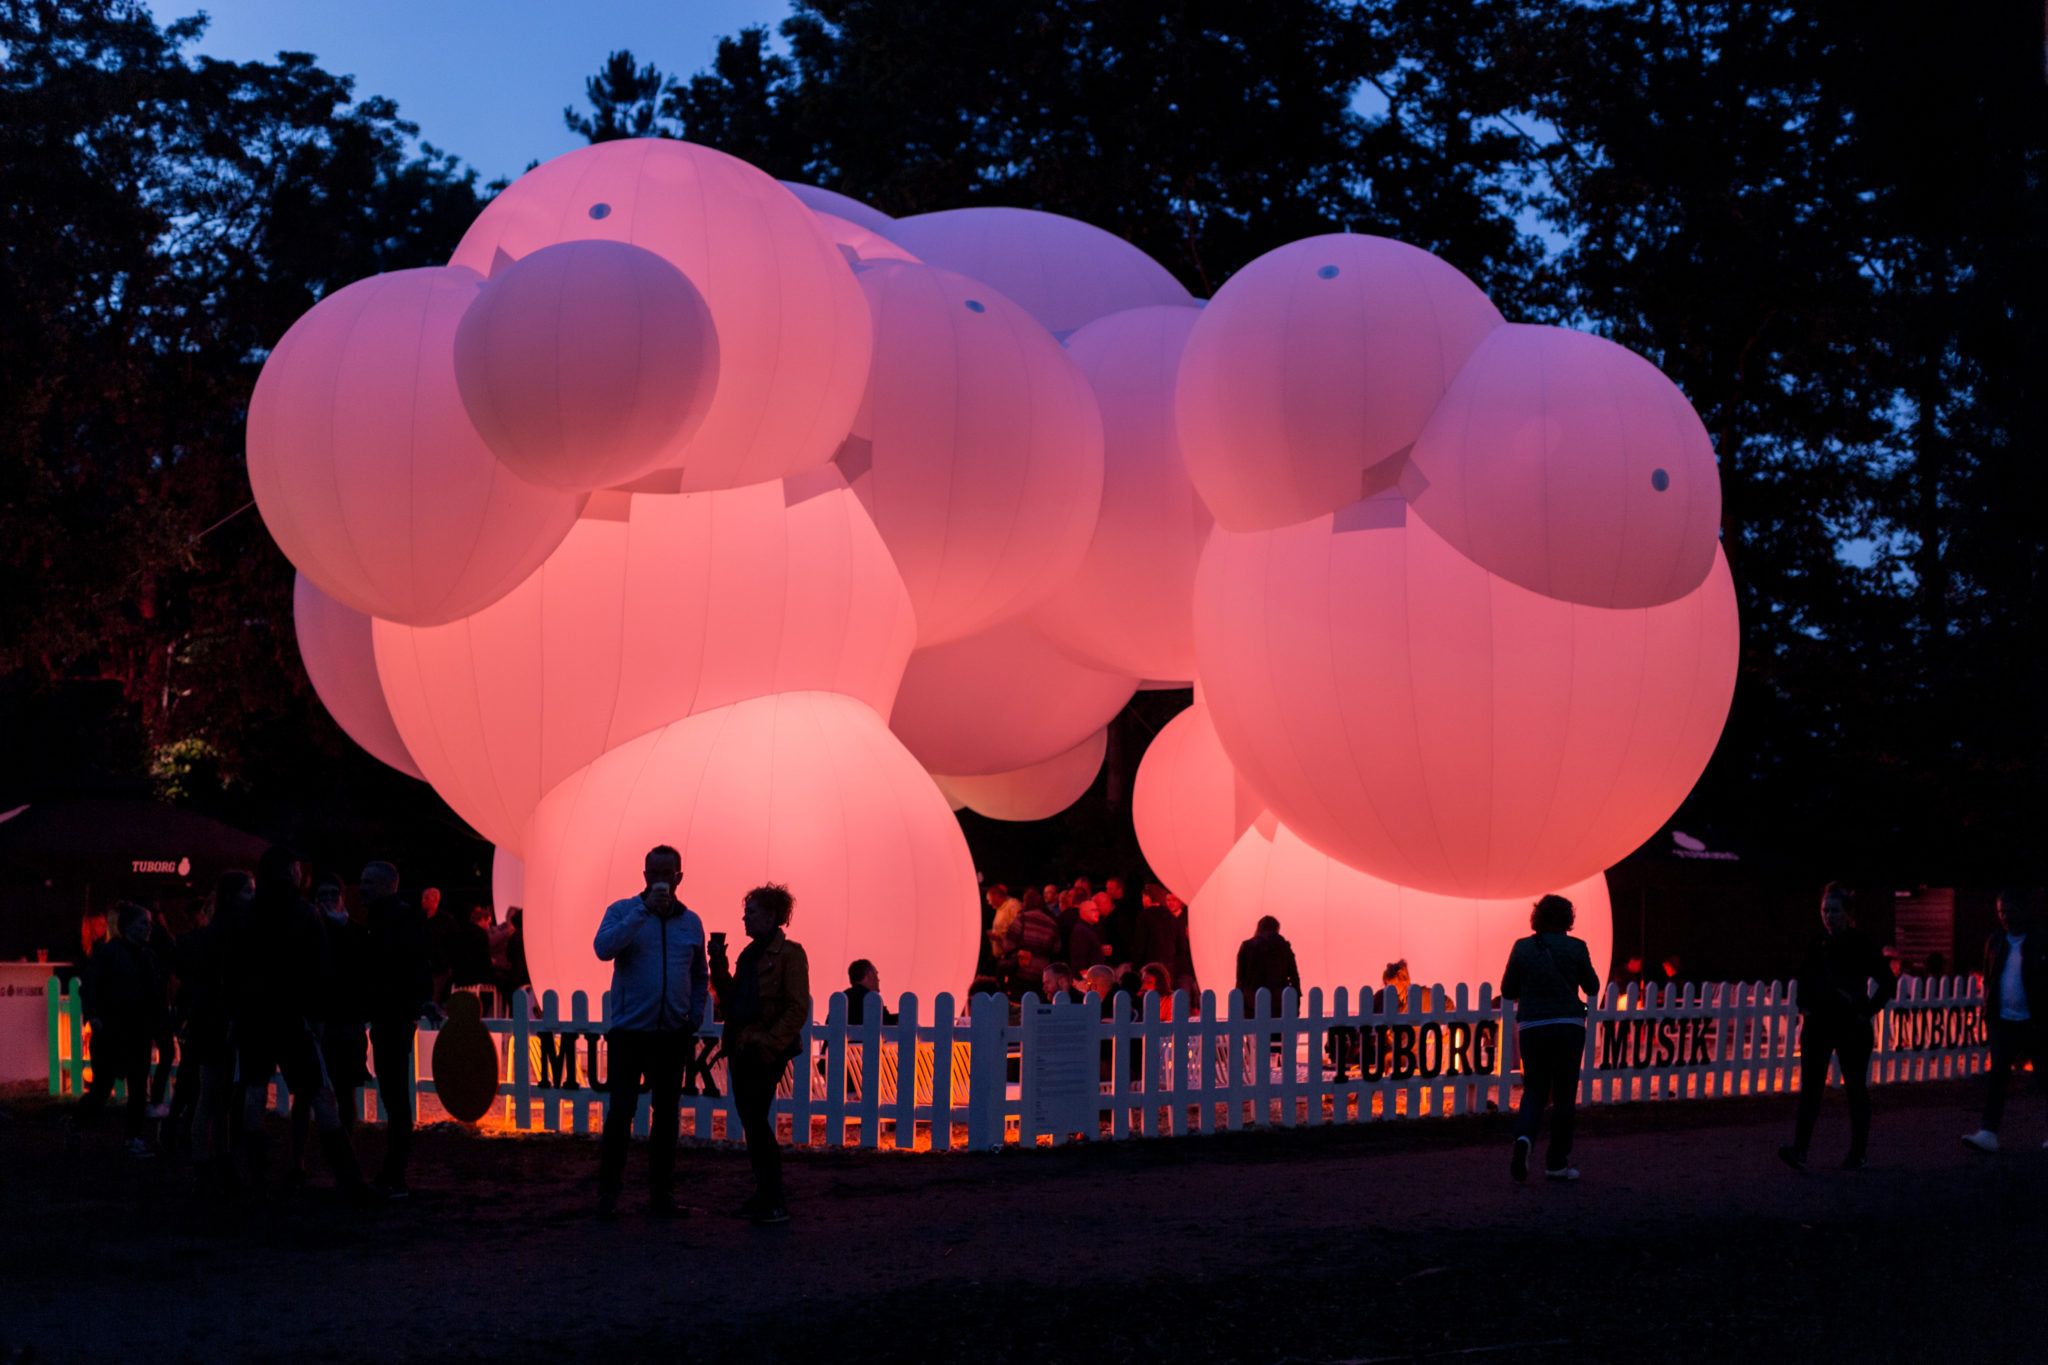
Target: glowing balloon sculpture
x,y
1129,607
688,507
1189,805
681,604
978,449
842,206
792,330
369,473
1573,467
334,644
1031,793
1313,367
805,788
582,362
1064,272
1347,925
999,701
1437,726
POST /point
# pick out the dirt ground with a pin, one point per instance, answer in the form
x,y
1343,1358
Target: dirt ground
x,y
1686,1240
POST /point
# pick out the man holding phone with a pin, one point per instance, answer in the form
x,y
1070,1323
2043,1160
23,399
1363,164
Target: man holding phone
x,y
655,944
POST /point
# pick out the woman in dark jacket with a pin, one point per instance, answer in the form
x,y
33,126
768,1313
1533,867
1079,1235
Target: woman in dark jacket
x,y
1545,975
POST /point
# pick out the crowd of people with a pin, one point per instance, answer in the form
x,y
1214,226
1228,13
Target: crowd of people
x,y
276,976
1050,940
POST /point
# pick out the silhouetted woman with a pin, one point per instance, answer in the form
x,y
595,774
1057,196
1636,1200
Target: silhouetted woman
x,y
1546,973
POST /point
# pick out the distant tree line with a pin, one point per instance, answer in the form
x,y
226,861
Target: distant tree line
x,y
1825,221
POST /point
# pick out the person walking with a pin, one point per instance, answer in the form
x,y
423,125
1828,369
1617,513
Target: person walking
x,y
278,979
766,1000
398,965
2015,1009
1545,975
1843,983
124,1001
344,1017
655,944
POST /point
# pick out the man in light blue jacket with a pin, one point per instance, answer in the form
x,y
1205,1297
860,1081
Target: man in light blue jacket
x,y
655,944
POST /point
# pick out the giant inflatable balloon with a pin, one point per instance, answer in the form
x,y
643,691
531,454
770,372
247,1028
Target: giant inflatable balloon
x,y
1001,700
369,473
842,206
1037,792
334,643
978,449
1064,272
1573,467
580,363
1129,608
1440,727
681,604
1313,367
1346,925
1188,804
688,507
792,330
804,788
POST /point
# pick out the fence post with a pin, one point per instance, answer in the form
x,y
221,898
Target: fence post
x,y
908,1013
522,1062
53,991
942,1072
987,1067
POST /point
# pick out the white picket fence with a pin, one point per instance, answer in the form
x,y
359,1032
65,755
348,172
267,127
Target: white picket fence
x,y
1155,1067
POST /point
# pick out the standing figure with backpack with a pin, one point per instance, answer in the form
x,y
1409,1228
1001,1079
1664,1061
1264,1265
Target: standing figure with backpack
x,y
766,1000
1545,974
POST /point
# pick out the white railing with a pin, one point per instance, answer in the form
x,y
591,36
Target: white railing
x,y
1048,1073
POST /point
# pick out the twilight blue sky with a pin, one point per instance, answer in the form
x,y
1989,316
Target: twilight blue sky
x,y
484,79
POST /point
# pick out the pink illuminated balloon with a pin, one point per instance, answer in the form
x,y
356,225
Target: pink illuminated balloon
x,y
1064,272
581,363
334,643
508,881
860,245
1346,926
1573,467
655,607
369,473
1037,792
1438,726
804,788
1188,804
1130,607
842,206
792,329
977,449
1315,365
1001,700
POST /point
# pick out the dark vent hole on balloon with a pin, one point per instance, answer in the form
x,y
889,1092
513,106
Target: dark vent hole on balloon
x,y
1659,480
600,210
976,306
1328,272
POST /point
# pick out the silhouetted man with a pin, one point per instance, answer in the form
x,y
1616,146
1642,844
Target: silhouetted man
x,y
1843,983
400,988
2015,1009
655,944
